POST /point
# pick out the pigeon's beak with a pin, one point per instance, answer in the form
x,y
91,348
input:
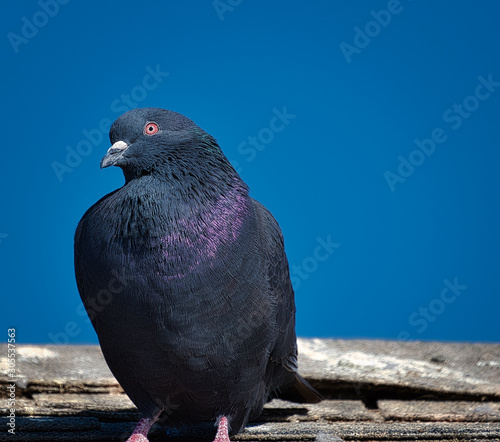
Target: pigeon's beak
x,y
114,154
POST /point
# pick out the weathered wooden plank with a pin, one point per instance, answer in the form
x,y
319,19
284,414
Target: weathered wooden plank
x,y
414,431
327,410
73,382
81,405
390,368
444,411
340,368
79,402
58,369
80,429
119,407
118,417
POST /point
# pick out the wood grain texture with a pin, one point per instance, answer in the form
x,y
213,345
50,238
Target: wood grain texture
x,y
376,390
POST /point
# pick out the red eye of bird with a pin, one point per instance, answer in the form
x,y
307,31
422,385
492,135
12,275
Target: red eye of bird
x,y
151,128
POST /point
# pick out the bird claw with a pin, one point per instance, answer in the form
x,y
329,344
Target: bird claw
x,y
222,430
137,438
140,433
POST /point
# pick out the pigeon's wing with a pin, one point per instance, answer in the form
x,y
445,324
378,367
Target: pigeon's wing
x,y
282,371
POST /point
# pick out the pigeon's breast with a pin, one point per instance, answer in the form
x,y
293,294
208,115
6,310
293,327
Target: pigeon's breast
x,y
169,253
205,240
189,319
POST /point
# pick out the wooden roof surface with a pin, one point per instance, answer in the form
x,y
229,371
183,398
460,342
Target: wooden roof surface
x,y
375,390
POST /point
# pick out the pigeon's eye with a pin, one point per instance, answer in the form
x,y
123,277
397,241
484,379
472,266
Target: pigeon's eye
x,y
151,128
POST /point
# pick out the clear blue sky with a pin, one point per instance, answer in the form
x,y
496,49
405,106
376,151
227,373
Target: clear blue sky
x,y
370,129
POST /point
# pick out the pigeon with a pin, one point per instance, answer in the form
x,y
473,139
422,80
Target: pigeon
x,y
186,282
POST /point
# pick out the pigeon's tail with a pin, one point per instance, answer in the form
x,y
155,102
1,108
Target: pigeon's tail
x,y
301,391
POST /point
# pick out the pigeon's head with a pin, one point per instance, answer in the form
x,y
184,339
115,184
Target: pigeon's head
x,y
157,141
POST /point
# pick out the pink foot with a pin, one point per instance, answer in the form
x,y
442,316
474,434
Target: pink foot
x,y
222,430
137,438
140,433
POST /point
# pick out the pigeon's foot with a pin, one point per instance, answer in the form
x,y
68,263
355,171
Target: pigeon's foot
x,y
140,433
222,430
137,438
